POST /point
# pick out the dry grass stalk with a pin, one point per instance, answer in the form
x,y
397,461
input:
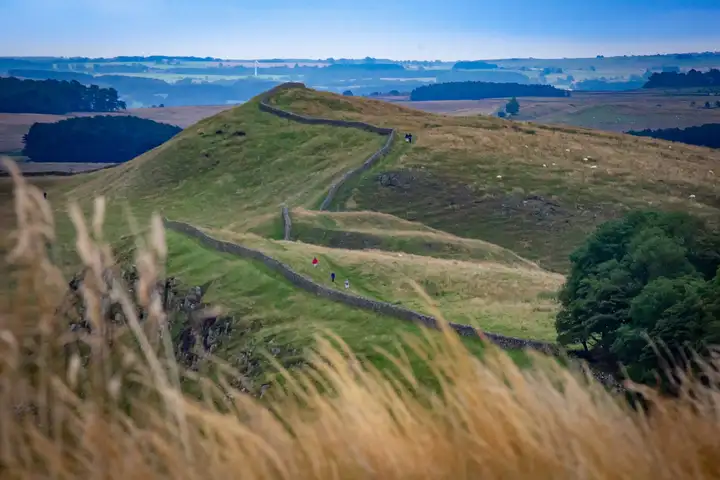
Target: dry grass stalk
x,y
115,410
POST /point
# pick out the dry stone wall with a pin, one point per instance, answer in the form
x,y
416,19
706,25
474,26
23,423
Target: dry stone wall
x,y
382,308
266,107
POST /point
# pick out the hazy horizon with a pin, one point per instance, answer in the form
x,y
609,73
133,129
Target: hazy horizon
x,y
419,29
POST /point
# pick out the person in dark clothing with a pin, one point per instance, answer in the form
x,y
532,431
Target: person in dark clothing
x,y
332,277
45,195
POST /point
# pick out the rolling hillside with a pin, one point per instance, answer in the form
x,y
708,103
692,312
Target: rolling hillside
x,y
535,189
459,212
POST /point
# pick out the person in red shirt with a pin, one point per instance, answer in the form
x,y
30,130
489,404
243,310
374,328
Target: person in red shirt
x,y
315,262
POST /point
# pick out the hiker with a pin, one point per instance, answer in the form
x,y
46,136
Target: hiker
x,y
347,283
45,195
332,277
315,262
408,137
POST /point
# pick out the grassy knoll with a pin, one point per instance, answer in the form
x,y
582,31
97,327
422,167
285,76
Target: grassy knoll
x,y
535,189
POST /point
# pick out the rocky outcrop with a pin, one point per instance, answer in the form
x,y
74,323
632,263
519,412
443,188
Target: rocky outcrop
x,y
199,330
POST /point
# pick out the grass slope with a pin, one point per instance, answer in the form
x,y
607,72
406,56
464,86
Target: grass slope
x,y
380,231
506,299
274,316
536,190
232,170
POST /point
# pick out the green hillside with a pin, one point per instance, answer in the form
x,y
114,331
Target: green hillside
x,y
458,212
535,189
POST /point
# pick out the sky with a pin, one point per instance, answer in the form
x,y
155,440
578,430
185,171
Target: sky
x,y
396,29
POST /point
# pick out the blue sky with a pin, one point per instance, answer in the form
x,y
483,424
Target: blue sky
x,y
399,29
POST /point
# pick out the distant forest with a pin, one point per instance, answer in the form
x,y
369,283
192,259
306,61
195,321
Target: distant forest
x,y
692,78
151,91
55,97
474,65
98,139
707,135
480,90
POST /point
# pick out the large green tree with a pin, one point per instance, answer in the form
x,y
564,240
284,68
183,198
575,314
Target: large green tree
x,y
644,290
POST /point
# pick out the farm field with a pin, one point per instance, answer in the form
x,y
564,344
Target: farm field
x,y
610,111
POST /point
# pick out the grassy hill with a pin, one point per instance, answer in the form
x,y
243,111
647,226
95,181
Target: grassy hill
x,y
537,190
459,212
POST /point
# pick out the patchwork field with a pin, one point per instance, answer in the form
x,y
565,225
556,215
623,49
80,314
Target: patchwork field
x,y
611,111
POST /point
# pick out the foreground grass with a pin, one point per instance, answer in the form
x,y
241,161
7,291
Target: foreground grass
x,y
509,300
537,190
90,405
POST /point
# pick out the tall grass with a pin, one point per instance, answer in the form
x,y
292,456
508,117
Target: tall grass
x,y
109,401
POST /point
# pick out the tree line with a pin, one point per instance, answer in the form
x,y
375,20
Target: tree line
x,y
691,79
151,91
644,292
707,135
55,97
480,90
97,139
474,65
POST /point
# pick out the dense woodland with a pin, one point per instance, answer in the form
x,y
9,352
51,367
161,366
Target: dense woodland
x,y
707,135
648,275
55,97
691,79
480,90
98,139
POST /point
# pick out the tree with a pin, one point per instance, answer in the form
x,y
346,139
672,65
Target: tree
x,y
56,97
648,276
472,90
98,139
513,107
707,135
348,93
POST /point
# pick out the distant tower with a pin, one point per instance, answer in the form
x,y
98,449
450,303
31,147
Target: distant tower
x,y
256,65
